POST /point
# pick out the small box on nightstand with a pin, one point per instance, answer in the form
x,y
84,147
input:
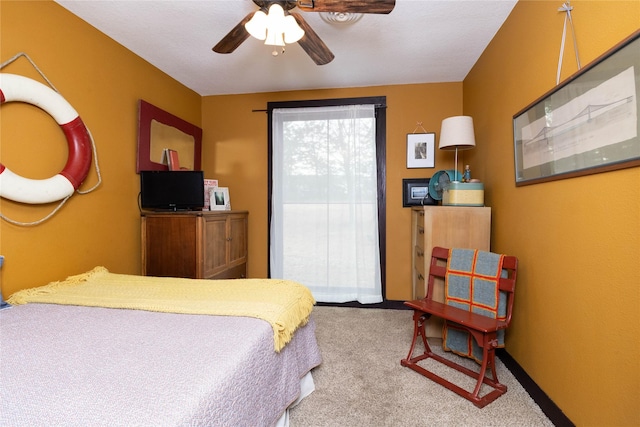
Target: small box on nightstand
x,y
463,194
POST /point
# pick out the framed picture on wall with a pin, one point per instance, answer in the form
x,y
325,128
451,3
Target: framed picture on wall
x,y
420,150
586,125
219,199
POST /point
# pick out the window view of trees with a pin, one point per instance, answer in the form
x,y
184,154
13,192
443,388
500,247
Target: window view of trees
x,y
325,231
318,153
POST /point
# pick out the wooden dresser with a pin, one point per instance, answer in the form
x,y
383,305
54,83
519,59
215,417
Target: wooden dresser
x,y
196,245
449,227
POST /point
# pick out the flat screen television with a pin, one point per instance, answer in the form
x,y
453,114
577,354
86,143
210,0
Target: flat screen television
x,y
172,190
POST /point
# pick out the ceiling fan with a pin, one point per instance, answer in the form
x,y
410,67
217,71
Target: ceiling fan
x,y
310,41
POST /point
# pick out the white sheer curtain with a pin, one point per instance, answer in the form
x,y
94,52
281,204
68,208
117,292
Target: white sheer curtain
x,y
324,223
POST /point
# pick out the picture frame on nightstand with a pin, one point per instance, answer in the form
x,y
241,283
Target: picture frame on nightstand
x,y
415,192
219,199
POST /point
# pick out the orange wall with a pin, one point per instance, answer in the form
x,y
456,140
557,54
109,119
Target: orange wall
x,y
575,330
103,82
235,152
576,325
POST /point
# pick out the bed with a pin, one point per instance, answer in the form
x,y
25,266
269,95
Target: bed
x,y
66,361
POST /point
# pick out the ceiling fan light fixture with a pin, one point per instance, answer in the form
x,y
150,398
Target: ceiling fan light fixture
x,y
292,31
274,38
276,15
257,25
275,29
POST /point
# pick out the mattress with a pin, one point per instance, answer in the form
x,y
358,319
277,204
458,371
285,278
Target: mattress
x,y
74,365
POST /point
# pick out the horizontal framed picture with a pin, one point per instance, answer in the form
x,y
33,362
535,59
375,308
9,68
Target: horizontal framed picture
x,y
586,125
415,192
420,150
219,199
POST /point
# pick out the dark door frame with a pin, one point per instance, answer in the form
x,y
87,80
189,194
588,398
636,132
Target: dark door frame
x,y
380,103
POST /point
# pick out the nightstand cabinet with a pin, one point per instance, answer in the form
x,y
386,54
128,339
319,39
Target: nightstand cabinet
x,y
449,227
196,245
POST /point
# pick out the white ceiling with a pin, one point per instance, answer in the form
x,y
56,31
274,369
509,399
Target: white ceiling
x,y
420,41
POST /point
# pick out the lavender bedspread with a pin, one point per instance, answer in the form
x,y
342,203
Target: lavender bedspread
x,y
86,366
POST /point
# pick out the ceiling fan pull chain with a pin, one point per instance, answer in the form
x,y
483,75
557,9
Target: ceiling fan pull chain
x,y
566,7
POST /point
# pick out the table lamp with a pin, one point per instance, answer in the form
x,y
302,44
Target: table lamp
x,y
456,134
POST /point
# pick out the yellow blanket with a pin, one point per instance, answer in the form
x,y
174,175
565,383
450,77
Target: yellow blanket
x,y
286,305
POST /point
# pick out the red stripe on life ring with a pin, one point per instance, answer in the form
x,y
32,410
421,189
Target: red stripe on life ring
x,y
79,160
79,144
2,100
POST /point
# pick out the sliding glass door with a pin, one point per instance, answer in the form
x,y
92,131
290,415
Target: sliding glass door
x,y
324,222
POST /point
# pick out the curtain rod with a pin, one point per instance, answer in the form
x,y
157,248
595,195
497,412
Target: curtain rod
x,y
267,110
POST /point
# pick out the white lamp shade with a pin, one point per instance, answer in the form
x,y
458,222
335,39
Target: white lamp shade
x,y
292,31
275,28
274,38
457,133
257,25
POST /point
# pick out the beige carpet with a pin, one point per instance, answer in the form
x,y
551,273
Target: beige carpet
x,y
361,381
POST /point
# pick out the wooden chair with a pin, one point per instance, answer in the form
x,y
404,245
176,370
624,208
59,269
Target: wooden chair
x,y
483,329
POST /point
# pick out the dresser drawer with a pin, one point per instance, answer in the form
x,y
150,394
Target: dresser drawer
x,y
419,281
448,227
420,238
418,254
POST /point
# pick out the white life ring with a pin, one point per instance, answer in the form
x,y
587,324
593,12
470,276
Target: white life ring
x,y
25,190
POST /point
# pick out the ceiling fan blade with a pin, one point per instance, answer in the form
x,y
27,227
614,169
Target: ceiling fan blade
x,y
347,6
234,38
312,44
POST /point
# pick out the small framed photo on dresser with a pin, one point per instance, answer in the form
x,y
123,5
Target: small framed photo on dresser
x,y
219,199
415,192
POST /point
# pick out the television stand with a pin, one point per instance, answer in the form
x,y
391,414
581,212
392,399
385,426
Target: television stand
x,y
195,244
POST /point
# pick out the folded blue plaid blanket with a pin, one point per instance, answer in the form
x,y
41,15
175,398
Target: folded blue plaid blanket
x,y
471,284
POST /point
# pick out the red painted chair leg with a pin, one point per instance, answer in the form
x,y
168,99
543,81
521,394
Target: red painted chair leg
x,y
488,357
